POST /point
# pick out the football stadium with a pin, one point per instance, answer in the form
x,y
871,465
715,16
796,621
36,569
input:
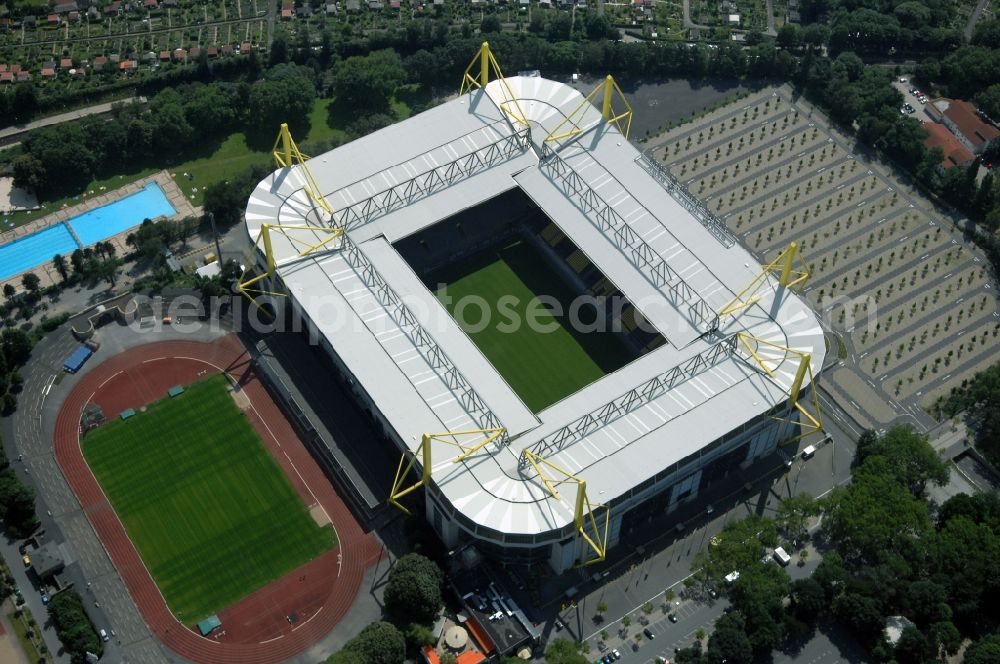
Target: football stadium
x,y
558,338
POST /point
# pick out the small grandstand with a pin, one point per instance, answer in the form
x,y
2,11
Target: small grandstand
x,y
715,353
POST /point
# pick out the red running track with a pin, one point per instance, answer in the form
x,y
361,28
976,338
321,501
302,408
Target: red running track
x,y
256,629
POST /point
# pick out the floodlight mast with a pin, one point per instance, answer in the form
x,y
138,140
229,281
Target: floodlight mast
x,y
287,155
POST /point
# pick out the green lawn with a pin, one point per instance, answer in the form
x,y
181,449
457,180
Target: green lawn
x,y
231,157
542,367
212,514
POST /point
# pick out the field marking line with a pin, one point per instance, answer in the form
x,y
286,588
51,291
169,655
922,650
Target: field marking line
x,y
280,636
106,381
292,463
309,619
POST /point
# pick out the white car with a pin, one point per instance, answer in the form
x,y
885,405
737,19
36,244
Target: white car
x,y
104,636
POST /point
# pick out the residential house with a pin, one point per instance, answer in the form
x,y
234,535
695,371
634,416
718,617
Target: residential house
x,y
962,119
150,5
93,14
48,73
227,49
245,47
99,62
195,52
74,17
128,66
287,14
113,9
29,22
330,9
376,5
394,4
7,77
305,11
23,76
353,6
164,56
213,52
169,4
66,63
180,54
66,7
53,19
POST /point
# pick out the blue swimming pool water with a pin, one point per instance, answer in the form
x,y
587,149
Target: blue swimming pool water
x,y
113,218
35,249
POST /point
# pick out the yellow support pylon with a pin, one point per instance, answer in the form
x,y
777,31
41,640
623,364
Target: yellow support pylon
x,y
583,512
262,243
813,420
608,90
477,76
788,277
424,452
286,155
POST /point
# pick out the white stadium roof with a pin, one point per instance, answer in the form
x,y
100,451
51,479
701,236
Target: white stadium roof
x,y
424,372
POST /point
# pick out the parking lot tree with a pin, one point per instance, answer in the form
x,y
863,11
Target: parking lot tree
x,y
602,608
862,615
729,643
564,651
986,650
913,647
738,547
16,346
910,457
946,638
378,643
759,594
876,517
794,513
413,591
690,655
808,599
979,400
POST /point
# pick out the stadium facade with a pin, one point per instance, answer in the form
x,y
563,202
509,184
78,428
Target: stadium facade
x,y
720,389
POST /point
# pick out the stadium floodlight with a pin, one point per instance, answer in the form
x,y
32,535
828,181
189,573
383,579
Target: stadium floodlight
x,y
609,91
424,452
755,347
477,75
789,277
286,155
583,512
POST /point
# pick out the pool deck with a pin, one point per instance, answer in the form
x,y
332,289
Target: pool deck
x,y
45,271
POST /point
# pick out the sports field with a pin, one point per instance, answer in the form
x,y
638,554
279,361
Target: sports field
x,y
542,367
211,512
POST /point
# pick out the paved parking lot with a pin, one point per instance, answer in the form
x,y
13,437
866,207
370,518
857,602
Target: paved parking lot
x,y
913,304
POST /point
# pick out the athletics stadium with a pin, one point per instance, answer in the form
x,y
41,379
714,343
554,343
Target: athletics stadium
x,y
536,446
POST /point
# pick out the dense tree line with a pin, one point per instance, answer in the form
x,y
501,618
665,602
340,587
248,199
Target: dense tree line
x,y
894,556
61,159
73,626
979,399
412,597
17,501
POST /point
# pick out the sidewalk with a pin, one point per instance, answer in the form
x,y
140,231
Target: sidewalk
x,y
9,134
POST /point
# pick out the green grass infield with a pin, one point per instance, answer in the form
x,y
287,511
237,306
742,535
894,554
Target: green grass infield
x,y
211,512
542,367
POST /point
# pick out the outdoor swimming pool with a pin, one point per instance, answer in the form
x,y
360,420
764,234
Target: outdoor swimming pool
x,y
35,249
90,227
113,218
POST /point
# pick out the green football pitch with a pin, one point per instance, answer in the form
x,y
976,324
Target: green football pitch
x,y
541,366
211,512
